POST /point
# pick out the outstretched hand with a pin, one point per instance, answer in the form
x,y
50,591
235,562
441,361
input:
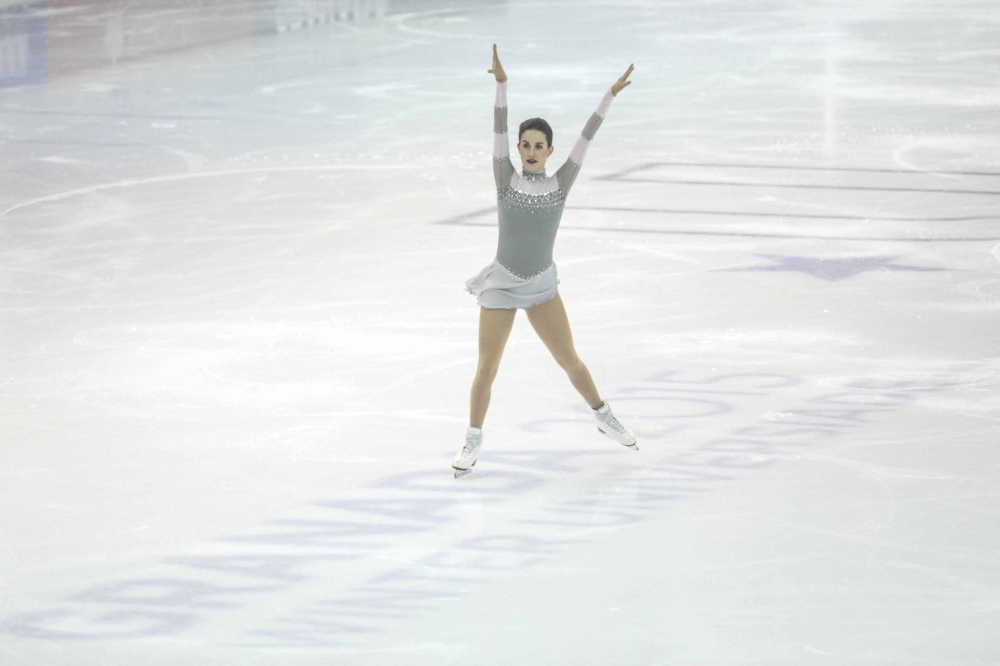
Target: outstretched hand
x,y
621,83
497,69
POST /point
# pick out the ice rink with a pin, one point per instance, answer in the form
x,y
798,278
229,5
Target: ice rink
x,y
236,350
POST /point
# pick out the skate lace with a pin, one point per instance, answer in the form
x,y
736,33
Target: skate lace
x,y
613,423
470,446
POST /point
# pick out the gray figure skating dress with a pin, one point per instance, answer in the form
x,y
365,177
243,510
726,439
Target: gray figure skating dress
x,y
530,206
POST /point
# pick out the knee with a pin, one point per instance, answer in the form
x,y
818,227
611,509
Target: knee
x,y
485,374
572,364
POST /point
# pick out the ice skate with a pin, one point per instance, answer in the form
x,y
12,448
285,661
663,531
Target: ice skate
x,y
613,428
466,458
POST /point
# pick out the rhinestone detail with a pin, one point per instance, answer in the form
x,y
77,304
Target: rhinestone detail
x,y
531,202
518,277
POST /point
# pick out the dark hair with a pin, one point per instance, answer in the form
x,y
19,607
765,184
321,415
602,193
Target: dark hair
x,y
535,124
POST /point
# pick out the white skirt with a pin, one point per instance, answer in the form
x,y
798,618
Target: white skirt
x,y
495,287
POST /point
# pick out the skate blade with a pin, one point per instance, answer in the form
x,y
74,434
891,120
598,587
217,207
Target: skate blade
x,y
630,446
459,473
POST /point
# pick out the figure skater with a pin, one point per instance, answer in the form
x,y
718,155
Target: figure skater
x,y
523,274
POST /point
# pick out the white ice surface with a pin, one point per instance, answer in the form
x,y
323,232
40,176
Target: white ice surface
x,y
236,351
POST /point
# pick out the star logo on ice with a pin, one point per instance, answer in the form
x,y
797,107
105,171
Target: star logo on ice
x,y
833,269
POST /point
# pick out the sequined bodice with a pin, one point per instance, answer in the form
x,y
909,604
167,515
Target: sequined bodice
x,y
529,208
522,200
531,204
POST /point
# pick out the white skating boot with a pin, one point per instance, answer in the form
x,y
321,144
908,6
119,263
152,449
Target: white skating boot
x,y
467,457
613,428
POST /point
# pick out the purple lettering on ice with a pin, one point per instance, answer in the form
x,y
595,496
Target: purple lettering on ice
x,y
186,593
64,624
267,566
330,533
396,507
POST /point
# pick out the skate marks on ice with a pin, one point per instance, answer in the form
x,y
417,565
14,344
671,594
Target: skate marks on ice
x,y
344,568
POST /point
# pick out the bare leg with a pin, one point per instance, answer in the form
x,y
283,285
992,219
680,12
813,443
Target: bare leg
x,y
494,329
550,322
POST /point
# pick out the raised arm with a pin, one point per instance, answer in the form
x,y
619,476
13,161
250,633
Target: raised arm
x,y
503,168
568,171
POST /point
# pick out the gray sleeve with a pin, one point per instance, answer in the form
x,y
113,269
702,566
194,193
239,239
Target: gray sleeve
x,y
566,174
503,169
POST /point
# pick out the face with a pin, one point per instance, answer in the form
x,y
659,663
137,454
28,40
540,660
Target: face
x,y
534,150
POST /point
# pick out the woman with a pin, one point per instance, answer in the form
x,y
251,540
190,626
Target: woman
x,y
523,274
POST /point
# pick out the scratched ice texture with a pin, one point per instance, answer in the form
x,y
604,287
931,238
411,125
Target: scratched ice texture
x,y
236,350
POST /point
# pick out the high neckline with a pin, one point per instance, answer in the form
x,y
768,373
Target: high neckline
x,y
533,175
